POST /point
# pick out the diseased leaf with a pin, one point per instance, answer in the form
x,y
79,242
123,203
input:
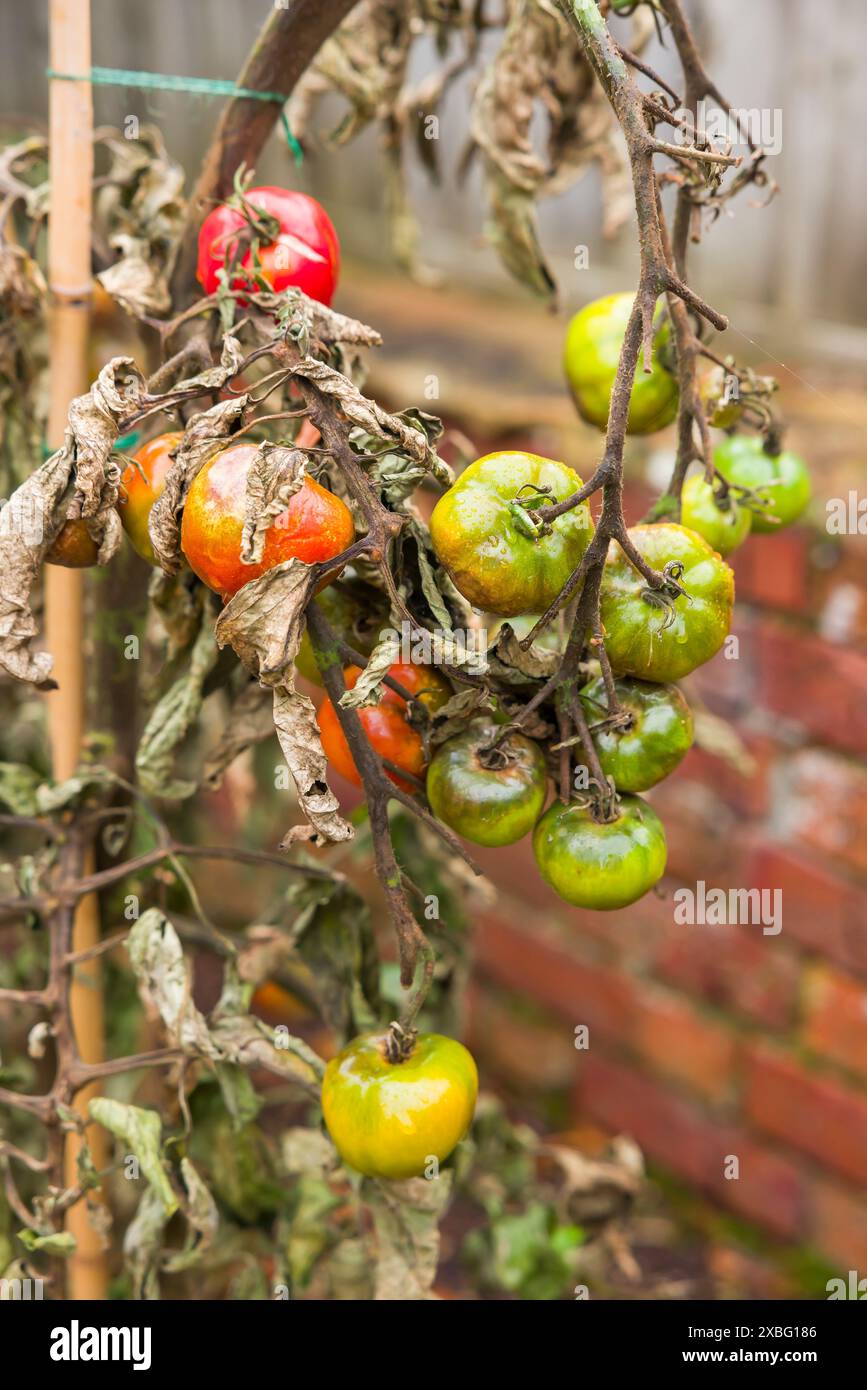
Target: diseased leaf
x,y
264,623
141,203
142,1244
367,688
80,480
274,476
141,1131
175,715
203,1220
406,1218
164,979
510,662
370,416
248,722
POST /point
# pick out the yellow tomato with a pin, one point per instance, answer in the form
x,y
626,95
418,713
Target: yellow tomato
x,y
389,1119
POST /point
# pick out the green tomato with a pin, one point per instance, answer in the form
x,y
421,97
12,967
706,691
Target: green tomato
x,y
356,611
591,355
657,737
781,481
388,1119
724,528
659,639
481,531
493,800
600,865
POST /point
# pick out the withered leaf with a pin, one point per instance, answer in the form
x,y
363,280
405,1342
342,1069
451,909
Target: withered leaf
x,y
79,480
205,435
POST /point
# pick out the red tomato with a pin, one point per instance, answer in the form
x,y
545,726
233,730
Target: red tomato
x,y
306,254
385,723
315,526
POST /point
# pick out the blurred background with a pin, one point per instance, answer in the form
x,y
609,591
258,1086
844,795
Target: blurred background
x,y
705,1042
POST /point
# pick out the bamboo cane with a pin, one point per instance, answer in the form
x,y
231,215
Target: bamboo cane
x,y
69,272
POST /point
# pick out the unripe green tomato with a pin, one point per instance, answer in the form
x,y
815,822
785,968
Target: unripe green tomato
x,y
494,798
356,611
590,359
389,1119
600,865
780,480
724,528
479,530
659,735
657,640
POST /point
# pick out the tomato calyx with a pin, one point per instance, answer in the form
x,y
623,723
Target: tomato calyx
x,y
668,593
522,511
601,799
399,1043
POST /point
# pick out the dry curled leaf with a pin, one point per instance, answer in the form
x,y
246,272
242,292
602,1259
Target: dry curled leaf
x,y
264,623
371,417
79,480
275,474
205,435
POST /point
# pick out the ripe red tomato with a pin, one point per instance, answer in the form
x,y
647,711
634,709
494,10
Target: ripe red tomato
x,y
385,723
305,254
315,526
141,486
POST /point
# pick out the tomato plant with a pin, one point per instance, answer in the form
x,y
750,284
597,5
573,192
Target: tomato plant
x,y
780,482
356,611
296,244
723,409
600,864
142,483
591,355
387,723
315,526
492,796
721,520
388,1118
651,737
663,634
485,535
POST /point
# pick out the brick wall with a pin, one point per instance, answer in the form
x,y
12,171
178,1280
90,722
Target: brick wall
x,y
713,1042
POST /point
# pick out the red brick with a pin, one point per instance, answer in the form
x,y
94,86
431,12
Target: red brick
x,y
769,1189
820,686
739,1274
773,571
728,683
835,1023
699,830
539,1056
839,1226
746,792
674,1039
536,965
820,1117
826,806
821,909
733,968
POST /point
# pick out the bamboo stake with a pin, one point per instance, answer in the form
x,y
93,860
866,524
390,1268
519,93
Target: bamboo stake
x,y
69,269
